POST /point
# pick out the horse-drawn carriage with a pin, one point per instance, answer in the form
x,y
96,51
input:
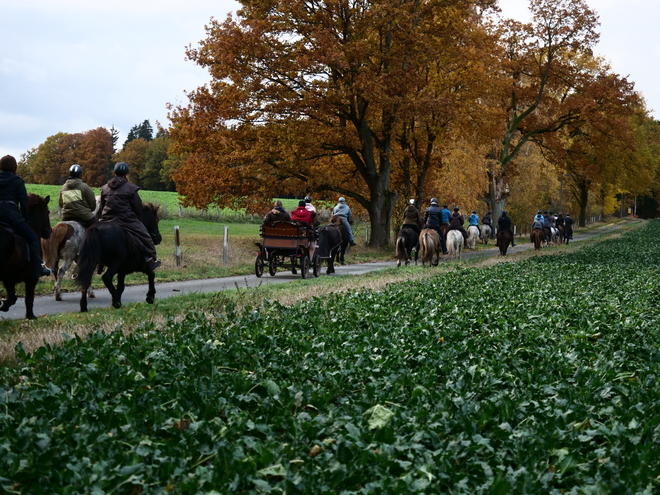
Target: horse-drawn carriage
x,y
288,246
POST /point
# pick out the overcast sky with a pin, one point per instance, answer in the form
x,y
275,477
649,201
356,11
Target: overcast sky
x,y
74,65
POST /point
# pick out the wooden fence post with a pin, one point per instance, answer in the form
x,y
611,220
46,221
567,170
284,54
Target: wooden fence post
x,y
177,246
225,246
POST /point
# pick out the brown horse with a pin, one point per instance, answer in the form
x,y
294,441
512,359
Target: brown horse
x,y
504,238
537,237
406,240
15,264
429,246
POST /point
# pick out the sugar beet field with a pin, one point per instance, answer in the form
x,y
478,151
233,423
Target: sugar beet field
x,y
539,376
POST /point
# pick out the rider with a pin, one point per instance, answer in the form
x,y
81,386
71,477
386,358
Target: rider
x,y
504,223
547,226
77,199
277,214
346,215
14,211
412,220
488,220
473,220
559,222
432,218
537,223
446,214
568,226
456,222
121,204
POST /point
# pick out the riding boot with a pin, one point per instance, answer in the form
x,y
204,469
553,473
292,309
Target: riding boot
x,y
40,270
152,264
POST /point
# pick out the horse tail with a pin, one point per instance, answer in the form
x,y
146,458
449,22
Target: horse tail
x,y
51,246
400,247
88,257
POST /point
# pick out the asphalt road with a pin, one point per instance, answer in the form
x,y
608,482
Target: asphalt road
x,y
46,305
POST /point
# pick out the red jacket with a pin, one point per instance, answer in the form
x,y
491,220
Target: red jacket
x,y
302,214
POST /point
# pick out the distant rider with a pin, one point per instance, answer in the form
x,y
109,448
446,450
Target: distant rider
x,y
446,214
14,211
504,224
473,220
77,199
412,220
120,204
488,220
568,226
432,218
343,211
456,222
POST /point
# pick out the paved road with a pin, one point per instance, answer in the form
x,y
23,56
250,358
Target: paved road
x,y
46,305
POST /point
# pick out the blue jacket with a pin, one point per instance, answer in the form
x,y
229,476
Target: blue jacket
x,y
445,215
473,219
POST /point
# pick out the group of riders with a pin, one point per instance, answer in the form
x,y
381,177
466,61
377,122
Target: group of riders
x,y
442,220
119,203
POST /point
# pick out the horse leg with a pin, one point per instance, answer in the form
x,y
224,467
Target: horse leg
x,y
151,294
59,277
11,296
107,277
30,285
121,285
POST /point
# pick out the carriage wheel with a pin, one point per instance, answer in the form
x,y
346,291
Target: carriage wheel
x,y
272,269
259,265
304,266
316,265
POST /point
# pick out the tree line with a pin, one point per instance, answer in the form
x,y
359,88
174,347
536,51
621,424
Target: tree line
x,y
383,101
151,165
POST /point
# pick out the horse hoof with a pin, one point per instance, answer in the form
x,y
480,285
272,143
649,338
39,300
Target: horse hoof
x,y
58,298
150,300
116,305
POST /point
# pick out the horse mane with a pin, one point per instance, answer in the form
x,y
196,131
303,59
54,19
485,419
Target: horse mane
x,y
154,208
336,219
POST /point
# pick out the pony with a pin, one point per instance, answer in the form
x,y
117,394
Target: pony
x,y
504,238
429,245
473,235
339,223
455,241
406,240
63,244
108,244
330,244
537,238
15,264
485,233
560,228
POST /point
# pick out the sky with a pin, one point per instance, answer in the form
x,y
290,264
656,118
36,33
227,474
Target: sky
x,y
75,65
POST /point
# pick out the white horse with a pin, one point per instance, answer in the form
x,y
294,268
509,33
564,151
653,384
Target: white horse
x,y
485,233
455,243
63,244
473,235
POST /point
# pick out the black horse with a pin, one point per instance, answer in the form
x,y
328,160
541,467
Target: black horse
x,y
15,264
406,240
333,243
109,245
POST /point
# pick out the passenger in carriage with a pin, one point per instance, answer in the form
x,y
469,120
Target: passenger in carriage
x,y
302,214
277,214
310,207
77,199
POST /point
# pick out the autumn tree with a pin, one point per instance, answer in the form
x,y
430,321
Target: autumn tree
x,y
543,66
50,161
140,131
94,155
321,96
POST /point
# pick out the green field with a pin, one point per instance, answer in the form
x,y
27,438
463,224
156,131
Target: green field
x,y
532,377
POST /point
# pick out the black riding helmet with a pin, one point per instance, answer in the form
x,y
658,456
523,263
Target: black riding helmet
x,y
75,170
121,168
456,208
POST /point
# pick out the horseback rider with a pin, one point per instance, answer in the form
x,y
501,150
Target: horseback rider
x,y
504,224
537,223
473,220
559,222
568,226
14,211
412,220
277,214
446,214
432,219
77,199
547,226
488,220
121,204
344,212
456,222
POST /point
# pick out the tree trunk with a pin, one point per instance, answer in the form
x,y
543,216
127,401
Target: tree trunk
x,y
497,196
380,216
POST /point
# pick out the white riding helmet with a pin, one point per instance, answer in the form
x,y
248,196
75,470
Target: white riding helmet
x,y
412,201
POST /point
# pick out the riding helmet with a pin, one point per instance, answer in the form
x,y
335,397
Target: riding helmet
x,y
412,201
75,170
456,208
445,206
503,212
434,201
342,200
308,199
121,168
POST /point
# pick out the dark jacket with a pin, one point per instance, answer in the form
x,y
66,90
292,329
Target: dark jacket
x,y
432,216
77,200
13,198
277,214
456,220
487,220
411,216
121,204
504,223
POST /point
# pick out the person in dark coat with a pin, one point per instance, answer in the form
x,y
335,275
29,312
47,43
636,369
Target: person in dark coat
x,y
14,211
504,223
121,205
432,219
568,226
277,214
456,222
412,219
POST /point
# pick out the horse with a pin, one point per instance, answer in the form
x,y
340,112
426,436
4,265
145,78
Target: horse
x,y
330,244
560,228
64,244
406,240
537,237
108,244
339,223
455,241
429,246
15,264
504,238
473,235
485,233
